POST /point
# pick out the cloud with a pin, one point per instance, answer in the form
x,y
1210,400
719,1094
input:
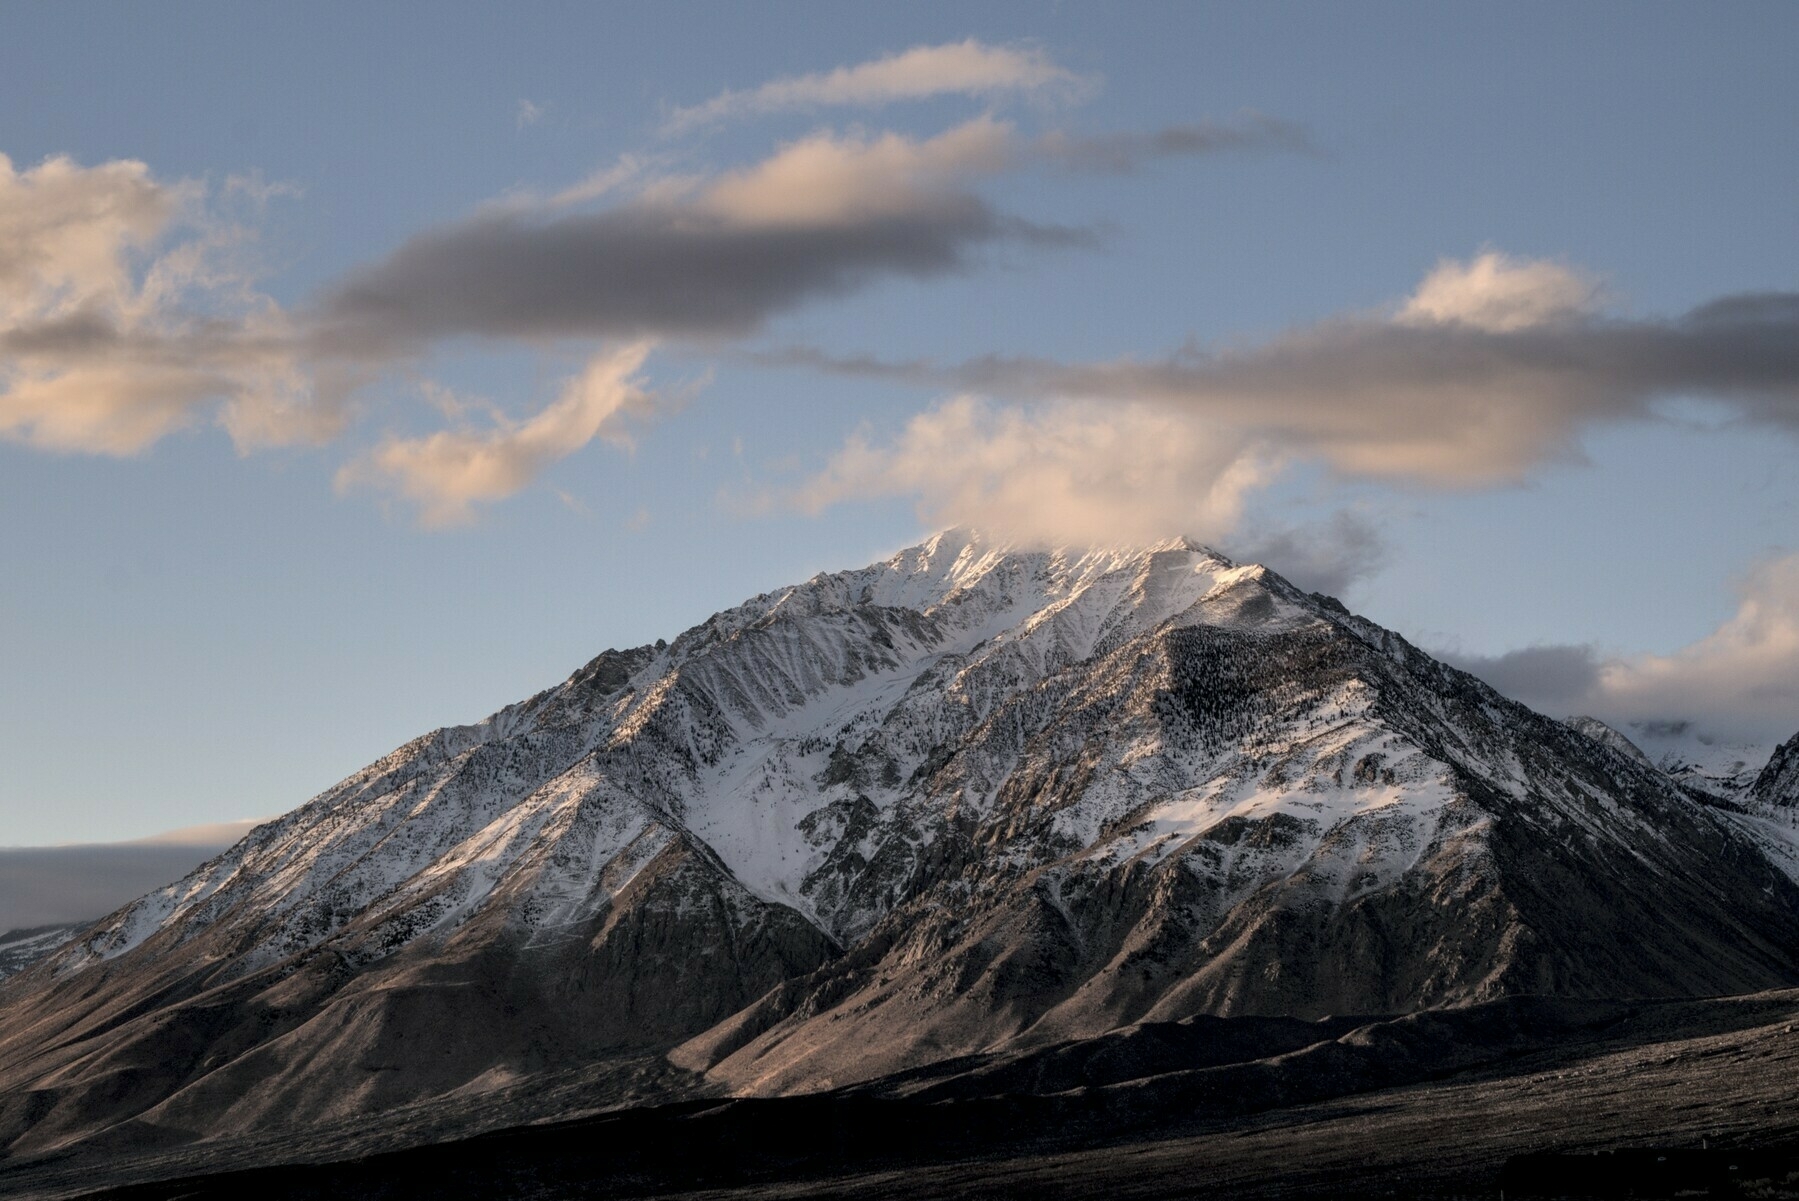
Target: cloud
x,y
1746,671
712,258
1327,556
1490,369
114,332
1499,294
1124,152
43,886
1742,679
1558,679
127,311
1070,471
595,184
447,473
717,257
528,113
966,68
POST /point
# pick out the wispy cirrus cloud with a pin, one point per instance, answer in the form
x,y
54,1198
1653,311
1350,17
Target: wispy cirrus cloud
x,y
966,68
1122,152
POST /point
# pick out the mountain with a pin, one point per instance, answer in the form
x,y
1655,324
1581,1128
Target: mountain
x,y
1777,785
1709,767
19,949
975,799
1608,736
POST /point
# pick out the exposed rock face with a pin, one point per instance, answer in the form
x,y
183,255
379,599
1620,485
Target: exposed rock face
x,y
1606,735
1778,783
967,799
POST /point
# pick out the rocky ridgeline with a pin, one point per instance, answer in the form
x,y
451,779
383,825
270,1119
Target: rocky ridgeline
x,y
971,799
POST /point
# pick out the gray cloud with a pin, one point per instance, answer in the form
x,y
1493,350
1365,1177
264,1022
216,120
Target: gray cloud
x,y
712,258
1741,680
43,886
1327,556
1124,152
1557,679
642,271
1493,368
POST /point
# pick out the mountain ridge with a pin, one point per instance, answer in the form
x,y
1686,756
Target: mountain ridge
x,y
972,798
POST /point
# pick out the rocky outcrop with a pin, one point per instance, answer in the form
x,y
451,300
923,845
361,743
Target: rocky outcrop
x,y
1778,783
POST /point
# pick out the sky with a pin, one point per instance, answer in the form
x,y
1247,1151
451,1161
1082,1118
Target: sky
x,y
362,371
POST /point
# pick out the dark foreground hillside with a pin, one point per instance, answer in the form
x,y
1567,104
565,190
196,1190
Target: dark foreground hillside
x,y
1426,1106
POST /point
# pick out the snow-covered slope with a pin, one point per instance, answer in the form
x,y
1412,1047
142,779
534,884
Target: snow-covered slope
x,y
969,797
1757,787
19,949
1705,763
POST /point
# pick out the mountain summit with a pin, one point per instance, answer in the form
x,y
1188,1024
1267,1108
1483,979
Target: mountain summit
x,y
974,797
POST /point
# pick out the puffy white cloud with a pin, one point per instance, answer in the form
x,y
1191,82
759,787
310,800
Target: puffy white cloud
x,y
1500,294
113,333
66,233
1746,671
1065,472
446,474
967,68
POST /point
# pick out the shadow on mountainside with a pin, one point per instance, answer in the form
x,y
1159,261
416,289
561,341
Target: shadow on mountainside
x,y
1429,1104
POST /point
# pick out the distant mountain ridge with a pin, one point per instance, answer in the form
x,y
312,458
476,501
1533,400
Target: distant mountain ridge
x,y
21,948
973,798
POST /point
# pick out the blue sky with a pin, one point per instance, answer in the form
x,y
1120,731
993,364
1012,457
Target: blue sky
x,y
1211,242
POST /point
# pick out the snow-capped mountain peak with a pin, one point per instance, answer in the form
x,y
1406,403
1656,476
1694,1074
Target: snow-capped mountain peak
x,y
973,793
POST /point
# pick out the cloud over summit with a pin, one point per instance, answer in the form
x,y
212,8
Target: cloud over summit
x,y
1490,369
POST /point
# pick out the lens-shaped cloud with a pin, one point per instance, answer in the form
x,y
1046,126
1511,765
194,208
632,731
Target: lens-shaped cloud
x,y
691,258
